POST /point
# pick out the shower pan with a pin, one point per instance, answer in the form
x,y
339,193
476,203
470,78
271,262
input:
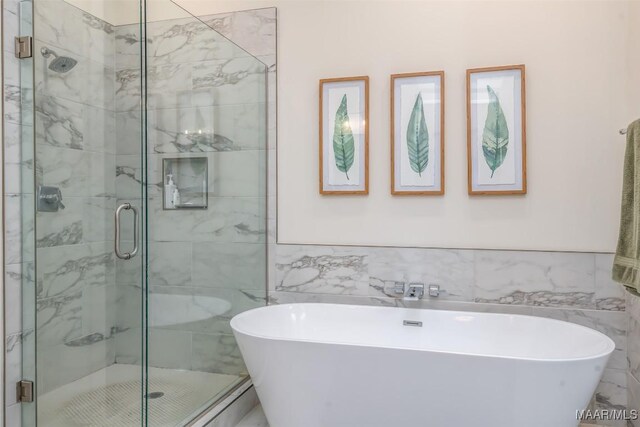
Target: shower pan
x,y
127,303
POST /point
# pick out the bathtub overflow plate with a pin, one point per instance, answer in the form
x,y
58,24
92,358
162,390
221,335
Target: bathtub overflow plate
x,y
412,323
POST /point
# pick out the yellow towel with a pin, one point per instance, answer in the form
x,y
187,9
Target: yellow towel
x,y
626,264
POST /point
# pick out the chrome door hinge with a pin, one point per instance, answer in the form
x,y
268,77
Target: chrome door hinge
x,y
24,391
24,47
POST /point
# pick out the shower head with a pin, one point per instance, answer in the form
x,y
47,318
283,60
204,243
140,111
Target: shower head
x,y
60,64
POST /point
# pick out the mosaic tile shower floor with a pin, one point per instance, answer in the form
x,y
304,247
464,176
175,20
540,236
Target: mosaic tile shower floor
x,y
111,397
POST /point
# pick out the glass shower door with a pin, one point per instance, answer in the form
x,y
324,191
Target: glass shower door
x,y
27,211
89,181
147,203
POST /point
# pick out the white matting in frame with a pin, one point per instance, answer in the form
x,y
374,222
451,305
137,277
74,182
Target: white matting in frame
x,y
344,134
496,130
417,133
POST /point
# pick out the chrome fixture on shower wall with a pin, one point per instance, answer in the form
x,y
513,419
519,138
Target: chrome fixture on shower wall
x,y
60,64
49,199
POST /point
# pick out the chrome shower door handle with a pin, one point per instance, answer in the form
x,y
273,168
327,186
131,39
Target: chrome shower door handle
x,y
119,253
135,231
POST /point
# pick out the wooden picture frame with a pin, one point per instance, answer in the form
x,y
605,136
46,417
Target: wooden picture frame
x,y
346,100
496,130
415,98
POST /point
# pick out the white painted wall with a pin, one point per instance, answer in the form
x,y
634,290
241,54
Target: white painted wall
x,y
124,12
581,67
580,92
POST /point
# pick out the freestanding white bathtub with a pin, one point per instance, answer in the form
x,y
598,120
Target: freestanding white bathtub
x,y
327,365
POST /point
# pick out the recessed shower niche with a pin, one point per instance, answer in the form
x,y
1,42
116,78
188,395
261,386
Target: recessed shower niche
x,y
186,182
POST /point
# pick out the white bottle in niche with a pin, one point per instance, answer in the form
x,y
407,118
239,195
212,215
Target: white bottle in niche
x,y
176,198
169,189
204,192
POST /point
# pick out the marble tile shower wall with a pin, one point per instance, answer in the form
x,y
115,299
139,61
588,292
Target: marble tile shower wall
x,y
575,287
633,354
71,134
75,151
206,98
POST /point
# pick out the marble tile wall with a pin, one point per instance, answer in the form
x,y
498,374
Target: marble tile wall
x,y
85,139
574,287
207,98
75,151
256,32
75,119
633,354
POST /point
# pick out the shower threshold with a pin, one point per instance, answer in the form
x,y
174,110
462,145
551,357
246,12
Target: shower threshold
x,y
111,397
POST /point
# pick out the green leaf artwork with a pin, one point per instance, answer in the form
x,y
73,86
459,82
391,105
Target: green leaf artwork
x,y
495,137
418,138
343,144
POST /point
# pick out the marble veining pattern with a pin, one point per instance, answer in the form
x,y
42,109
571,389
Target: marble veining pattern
x,y
59,122
16,158
206,97
59,319
75,151
13,366
63,25
70,268
187,40
324,270
252,30
19,280
89,82
228,219
12,101
633,352
634,345
534,279
388,266
609,295
611,394
573,287
222,73
70,234
207,128
633,397
544,298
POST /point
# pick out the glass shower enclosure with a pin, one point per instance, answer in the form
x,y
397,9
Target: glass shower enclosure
x,y
147,197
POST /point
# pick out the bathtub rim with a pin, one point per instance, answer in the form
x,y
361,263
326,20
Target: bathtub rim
x,y
611,346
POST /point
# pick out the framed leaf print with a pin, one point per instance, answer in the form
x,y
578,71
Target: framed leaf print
x,y
344,136
417,133
496,130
